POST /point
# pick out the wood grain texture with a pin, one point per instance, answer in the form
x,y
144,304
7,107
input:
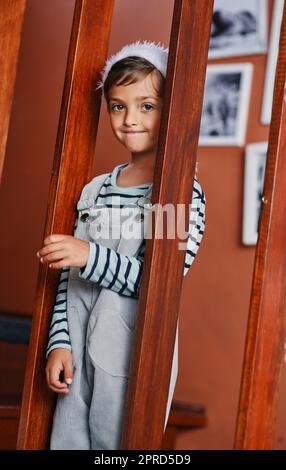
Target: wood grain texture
x,y
161,283
11,20
73,162
264,351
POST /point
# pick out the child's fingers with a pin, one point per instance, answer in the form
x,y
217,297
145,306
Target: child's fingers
x,y
57,390
61,264
58,259
68,371
53,238
64,391
53,257
51,248
54,380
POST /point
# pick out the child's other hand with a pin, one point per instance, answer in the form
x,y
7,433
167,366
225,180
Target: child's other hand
x,y
59,360
64,250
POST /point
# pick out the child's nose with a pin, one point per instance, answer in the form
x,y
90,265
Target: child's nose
x,y
131,117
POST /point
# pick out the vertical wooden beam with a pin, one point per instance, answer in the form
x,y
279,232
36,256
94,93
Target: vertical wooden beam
x,y
11,20
72,168
264,349
160,291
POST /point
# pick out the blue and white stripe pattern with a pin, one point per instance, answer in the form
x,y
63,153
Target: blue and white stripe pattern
x,y
115,271
58,333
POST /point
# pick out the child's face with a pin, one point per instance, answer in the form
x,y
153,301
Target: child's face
x,y
136,121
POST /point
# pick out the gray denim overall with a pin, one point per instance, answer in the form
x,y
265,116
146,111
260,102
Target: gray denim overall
x,y
101,324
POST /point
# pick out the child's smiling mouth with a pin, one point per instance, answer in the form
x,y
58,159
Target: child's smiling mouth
x,y
133,132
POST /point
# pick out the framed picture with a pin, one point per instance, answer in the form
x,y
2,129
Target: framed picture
x,y
225,104
271,62
238,28
254,172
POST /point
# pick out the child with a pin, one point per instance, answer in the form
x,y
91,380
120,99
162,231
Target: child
x,y
91,331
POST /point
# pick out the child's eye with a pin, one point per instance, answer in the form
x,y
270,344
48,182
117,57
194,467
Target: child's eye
x,y
150,106
114,106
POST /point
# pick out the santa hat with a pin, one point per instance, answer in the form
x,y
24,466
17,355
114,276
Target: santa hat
x,y
155,53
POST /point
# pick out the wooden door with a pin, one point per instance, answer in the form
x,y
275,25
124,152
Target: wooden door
x,y
264,349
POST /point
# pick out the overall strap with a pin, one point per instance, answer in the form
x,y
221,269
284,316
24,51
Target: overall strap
x,y
146,198
91,190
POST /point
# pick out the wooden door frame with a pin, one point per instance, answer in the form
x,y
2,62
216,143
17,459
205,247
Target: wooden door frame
x,y
264,349
11,22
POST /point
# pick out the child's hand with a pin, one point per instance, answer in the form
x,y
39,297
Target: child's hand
x,y
59,360
64,250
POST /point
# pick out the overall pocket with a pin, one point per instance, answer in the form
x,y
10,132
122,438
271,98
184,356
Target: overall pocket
x,y
110,343
125,307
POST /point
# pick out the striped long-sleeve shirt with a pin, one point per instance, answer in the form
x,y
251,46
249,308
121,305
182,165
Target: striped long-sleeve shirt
x,y
111,269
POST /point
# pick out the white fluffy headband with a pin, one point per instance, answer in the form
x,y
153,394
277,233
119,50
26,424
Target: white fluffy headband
x,y
156,54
